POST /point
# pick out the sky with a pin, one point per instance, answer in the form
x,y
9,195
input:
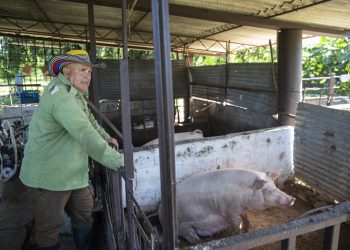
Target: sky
x,y
307,42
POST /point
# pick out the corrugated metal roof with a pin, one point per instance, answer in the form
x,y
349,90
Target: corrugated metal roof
x,y
322,149
201,26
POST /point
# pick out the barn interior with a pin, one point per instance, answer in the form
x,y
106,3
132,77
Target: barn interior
x,y
224,101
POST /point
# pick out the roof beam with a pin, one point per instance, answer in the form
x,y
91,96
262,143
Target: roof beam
x,y
228,17
253,21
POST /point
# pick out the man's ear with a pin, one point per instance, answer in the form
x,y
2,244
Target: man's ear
x,y
66,71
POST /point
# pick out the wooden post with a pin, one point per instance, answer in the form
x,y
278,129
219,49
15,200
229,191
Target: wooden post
x,y
330,90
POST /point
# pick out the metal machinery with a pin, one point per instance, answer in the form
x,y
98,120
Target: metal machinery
x,y
13,136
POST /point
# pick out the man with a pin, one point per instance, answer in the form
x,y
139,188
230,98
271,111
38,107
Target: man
x,y
62,134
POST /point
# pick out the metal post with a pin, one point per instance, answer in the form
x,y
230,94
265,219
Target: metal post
x,y
331,237
165,114
289,244
189,62
289,74
330,90
227,61
126,126
117,208
93,89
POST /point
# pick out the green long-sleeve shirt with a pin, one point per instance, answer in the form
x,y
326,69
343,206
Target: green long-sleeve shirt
x,y
62,134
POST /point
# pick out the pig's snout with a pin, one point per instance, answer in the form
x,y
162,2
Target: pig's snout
x,y
287,201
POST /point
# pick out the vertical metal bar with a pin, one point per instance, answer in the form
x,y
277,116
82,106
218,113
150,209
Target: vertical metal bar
x,y
117,208
126,125
125,29
188,62
111,242
227,59
289,244
93,89
165,114
331,237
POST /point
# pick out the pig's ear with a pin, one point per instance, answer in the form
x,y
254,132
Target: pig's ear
x,y
274,174
258,183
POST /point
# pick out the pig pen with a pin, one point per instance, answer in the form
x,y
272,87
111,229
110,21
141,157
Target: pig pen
x,y
263,150
296,227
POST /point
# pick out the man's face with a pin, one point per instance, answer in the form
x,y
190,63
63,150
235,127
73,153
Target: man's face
x,y
79,75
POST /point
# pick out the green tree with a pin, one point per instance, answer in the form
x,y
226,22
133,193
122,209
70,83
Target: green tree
x,y
208,60
255,55
330,55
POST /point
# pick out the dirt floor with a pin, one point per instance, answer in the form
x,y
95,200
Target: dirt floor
x,y
306,199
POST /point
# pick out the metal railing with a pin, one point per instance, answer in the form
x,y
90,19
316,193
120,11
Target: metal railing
x,y
287,233
117,233
328,90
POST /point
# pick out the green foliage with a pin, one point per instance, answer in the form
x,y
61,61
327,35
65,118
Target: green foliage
x,y
330,55
16,52
141,54
255,55
208,60
259,54
108,52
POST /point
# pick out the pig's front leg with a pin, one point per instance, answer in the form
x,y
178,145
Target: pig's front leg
x,y
245,222
187,231
233,227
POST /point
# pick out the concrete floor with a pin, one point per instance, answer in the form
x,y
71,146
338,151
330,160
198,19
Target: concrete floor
x,y
16,219
15,214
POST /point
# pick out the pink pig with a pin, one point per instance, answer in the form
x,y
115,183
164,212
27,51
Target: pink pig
x,y
211,202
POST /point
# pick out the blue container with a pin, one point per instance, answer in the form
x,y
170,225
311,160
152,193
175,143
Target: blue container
x,y
29,96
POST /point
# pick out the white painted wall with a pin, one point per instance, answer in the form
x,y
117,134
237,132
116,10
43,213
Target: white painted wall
x,y
264,150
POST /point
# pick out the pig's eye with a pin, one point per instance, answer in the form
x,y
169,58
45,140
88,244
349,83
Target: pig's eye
x,y
266,191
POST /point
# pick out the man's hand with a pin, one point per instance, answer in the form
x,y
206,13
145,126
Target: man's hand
x,y
122,169
113,143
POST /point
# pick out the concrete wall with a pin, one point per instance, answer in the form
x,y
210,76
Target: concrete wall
x,y
264,150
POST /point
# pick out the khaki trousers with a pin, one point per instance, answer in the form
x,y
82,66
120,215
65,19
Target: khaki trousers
x,y
48,212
